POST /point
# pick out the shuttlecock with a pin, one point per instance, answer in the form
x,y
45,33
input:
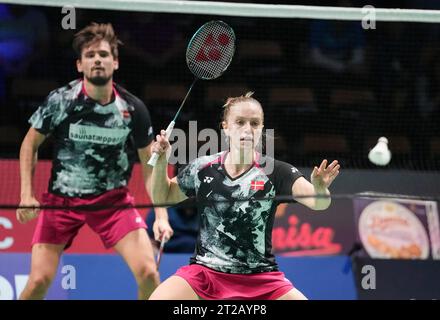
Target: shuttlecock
x,y
380,155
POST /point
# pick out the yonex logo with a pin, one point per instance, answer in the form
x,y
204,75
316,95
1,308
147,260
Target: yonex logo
x,y
294,170
138,220
208,179
210,51
78,108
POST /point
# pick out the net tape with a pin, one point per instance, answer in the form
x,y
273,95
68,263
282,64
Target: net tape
x,y
244,9
192,202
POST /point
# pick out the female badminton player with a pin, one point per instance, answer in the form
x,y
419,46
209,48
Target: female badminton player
x,y
233,258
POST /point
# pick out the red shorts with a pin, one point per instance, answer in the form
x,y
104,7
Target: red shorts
x,y
213,285
58,226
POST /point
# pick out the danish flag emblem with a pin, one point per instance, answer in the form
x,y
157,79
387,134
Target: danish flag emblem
x,y
257,185
125,114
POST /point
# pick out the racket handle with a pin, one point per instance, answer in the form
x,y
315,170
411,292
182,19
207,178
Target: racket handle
x,y
160,252
155,156
153,159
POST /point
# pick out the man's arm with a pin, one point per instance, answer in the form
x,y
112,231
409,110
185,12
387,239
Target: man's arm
x,y
321,178
28,161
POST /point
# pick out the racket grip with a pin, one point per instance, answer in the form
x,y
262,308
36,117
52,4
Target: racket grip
x,y
153,159
155,156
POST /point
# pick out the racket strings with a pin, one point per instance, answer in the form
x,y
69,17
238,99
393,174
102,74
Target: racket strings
x,y
211,50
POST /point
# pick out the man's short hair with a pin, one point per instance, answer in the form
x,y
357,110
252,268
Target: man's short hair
x,y
95,32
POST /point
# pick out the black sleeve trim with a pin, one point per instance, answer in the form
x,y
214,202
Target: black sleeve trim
x,y
284,175
142,126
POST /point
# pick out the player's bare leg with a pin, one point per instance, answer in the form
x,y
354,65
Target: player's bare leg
x,y
44,265
293,294
136,249
174,288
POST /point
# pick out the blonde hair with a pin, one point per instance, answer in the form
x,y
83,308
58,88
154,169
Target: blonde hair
x,y
234,100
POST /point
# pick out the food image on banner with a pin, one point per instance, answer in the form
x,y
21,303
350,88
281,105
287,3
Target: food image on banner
x,y
398,228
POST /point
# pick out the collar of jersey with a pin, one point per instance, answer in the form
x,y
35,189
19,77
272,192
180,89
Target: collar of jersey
x,y
255,163
86,96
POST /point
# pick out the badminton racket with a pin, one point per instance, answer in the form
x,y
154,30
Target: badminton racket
x,y
208,54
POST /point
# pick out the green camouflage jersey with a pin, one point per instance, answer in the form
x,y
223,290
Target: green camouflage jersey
x,y
235,236
95,146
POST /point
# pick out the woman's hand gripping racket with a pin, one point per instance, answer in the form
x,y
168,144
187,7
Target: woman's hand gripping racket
x,y
208,55
160,252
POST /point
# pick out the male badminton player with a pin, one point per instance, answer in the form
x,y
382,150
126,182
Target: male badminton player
x,y
233,258
97,127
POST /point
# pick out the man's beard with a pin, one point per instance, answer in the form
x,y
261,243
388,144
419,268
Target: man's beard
x,y
99,80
